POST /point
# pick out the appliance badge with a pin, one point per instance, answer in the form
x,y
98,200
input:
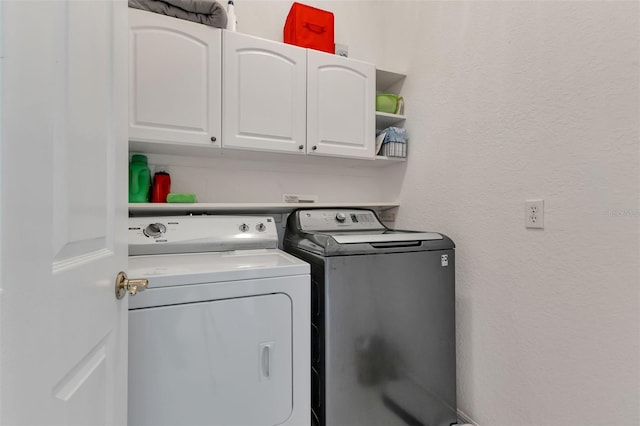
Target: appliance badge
x,y
444,260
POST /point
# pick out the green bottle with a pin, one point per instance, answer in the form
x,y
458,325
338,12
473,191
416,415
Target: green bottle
x,y
139,179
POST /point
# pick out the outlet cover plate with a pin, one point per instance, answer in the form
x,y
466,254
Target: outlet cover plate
x,y
534,214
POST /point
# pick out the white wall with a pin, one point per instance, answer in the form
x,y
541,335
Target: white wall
x,y
508,101
267,177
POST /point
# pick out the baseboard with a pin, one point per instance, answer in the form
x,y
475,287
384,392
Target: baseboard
x,y
464,418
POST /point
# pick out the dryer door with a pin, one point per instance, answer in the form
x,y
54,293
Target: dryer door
x,y
224,362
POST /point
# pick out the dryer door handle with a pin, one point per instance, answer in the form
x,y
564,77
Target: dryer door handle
x,y
266,354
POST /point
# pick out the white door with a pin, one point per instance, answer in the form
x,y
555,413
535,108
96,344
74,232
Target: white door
x,y
264,94
340,106
175,77
63,144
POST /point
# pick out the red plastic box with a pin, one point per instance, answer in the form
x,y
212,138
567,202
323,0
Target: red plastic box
x,y
310,27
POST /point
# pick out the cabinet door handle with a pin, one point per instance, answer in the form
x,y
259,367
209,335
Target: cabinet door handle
x,y
314,147
301,147
213,139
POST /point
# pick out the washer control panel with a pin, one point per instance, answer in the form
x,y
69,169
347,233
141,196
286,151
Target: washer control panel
x,y
334,220
190,234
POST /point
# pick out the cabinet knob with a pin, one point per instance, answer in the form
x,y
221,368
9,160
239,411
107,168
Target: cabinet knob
x,y
213,139
300,147
314,147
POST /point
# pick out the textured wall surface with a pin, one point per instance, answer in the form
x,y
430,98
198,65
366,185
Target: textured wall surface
x,y
264,179
508,101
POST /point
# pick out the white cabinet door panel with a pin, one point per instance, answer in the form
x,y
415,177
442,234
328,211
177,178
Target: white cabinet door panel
x,y
340,106
264,99
175,77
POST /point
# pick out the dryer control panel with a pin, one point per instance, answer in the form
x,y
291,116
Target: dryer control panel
x,y
194,234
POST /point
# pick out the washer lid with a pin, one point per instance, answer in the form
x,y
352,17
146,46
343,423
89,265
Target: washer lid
x,y
168,270
387,237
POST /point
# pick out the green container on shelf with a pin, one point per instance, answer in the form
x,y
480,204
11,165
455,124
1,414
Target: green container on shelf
x,y
139,179
387,103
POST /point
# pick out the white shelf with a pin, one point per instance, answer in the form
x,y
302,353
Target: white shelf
x,y
391,159
208,152
141,209
389,82
384,119
386,80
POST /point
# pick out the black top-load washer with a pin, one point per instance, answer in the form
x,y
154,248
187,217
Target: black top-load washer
x,y
383,319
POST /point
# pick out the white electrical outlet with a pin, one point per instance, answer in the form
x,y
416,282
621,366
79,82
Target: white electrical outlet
x,y
534,213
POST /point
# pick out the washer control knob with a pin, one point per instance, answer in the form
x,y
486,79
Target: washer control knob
x,y
155,230
340,217
260,227
244,227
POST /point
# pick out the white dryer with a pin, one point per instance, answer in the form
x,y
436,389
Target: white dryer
x,y
221,335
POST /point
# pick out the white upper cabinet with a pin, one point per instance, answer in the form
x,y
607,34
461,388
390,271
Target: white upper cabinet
x,y
340,106
264,94
186,79
174,80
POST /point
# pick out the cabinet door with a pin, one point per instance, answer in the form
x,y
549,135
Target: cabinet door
x,y
340,106
264,94
174,80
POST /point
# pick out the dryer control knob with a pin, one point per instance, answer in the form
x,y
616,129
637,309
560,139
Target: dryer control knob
x,y
244,227
340,217
155,230
260,227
